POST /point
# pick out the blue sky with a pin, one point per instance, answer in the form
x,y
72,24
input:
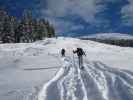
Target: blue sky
x,y
78,17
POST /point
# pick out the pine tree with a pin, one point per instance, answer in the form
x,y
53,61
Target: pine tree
x,y
3,15
44,28
27,27
7,36
52,31
18,32
25,30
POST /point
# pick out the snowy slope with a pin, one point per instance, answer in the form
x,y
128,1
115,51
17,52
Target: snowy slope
x,y
96,82
26,68
109,36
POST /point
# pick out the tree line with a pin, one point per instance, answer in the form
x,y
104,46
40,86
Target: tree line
x,y
27,29
118,42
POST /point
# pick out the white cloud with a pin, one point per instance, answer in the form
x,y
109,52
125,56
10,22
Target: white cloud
x,y
127,13
63,26
77,27
85,9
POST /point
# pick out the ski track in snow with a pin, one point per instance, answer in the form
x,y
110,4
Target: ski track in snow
x,y
95,82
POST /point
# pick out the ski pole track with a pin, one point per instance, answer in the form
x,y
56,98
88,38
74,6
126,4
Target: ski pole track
x,y
50,90
77,70
72,85
99,78
63,90
85,97
125,76
96,81
115,79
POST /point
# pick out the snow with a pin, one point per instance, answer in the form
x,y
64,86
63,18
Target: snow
x,y
41,97
32,71
109,36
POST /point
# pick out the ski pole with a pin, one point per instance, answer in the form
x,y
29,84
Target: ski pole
x,y
73,61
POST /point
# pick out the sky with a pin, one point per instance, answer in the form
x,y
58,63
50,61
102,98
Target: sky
x,y
78,17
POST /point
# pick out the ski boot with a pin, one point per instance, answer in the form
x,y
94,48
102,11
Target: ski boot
x,y
82,67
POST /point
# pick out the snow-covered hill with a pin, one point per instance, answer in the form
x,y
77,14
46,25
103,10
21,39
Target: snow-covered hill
x,y
36,71
96,81
111,36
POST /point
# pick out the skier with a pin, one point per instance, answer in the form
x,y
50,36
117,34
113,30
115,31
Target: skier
x,y
80,54
63,52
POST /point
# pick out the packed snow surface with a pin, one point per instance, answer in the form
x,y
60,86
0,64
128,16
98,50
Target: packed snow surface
x,y
109,36
36,71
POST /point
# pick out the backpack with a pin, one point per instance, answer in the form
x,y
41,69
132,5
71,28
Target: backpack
x,y
80,51
62,51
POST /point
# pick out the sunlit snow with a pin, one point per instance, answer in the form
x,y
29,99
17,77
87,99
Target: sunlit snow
x,y
36,71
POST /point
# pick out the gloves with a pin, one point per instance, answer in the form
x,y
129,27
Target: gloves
x,y
73,51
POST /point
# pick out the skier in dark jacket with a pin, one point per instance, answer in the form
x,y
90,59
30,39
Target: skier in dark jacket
x,y
63,52
80,54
